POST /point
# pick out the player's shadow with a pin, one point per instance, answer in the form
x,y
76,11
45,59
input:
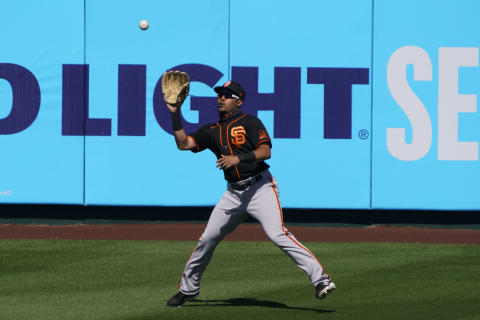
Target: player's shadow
x,y
247,302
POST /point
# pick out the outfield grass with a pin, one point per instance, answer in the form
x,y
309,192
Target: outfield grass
x,y
131,280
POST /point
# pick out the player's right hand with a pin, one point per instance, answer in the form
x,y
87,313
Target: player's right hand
x,y
226,162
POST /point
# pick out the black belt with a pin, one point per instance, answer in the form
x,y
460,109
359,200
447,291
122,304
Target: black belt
x,y
244,184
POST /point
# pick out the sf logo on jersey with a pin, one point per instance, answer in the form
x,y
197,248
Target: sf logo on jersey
x,y
238,136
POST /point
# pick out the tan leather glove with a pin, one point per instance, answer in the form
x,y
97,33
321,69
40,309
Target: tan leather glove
x,y
175,87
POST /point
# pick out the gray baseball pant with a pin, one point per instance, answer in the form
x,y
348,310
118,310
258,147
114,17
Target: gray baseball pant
x,y
261,201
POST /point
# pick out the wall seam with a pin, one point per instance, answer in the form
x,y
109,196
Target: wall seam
x,y
85,75
371,108
228,41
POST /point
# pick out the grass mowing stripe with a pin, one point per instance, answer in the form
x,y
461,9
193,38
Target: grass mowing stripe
x,y
86,279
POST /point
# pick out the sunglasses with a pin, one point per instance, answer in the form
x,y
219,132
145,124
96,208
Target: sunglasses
x,y
227,95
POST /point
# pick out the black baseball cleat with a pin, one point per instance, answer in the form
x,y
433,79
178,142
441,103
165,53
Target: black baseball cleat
x,y
179,299
322,289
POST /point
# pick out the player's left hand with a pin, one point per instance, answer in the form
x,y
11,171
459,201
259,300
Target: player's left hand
x,y
226,162
175,88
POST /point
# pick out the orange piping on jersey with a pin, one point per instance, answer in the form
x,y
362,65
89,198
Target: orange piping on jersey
x,y
286,232
228,141
196,144
221,142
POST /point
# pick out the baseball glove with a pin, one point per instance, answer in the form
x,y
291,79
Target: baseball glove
x,y
175,87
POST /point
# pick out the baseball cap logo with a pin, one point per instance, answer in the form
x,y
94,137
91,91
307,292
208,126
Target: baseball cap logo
x,y
226,84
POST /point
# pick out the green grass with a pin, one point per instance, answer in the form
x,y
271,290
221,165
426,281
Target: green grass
x,y
64,279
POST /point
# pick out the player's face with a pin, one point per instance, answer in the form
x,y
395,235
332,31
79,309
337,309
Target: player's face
x,y
228,102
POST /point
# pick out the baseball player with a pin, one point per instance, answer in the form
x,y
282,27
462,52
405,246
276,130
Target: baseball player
x,y
241,144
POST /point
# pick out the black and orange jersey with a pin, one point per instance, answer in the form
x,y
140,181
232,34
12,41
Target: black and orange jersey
x,y
240,133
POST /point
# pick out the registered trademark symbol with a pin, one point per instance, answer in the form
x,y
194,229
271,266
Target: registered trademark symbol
x,y
363,134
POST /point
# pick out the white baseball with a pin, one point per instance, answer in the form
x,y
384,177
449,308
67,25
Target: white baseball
x,y
143,24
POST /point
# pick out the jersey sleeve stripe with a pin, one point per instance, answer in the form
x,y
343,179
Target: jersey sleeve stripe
x,y
263,142
196,144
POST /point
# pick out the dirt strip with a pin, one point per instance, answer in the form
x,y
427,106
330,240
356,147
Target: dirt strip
x,y
245,232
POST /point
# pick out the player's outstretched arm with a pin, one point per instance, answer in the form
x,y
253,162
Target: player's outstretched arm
x,y
175,88
181,139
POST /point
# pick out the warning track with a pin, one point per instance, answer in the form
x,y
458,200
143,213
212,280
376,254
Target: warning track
x,y
244,232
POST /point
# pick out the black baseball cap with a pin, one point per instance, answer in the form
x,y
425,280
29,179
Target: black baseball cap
x,y
233,87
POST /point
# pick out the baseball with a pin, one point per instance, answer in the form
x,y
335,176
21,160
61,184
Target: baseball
x,y
143,24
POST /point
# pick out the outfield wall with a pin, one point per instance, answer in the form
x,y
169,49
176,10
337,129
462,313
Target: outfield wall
x,y
370,103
